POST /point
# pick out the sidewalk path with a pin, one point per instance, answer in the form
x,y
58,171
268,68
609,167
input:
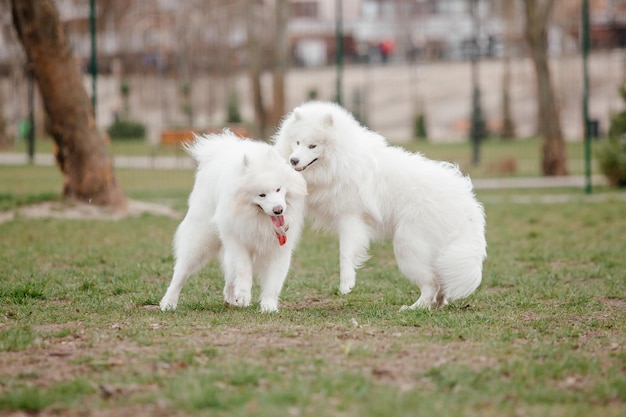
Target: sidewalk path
x,y
573,181
185,162
137,162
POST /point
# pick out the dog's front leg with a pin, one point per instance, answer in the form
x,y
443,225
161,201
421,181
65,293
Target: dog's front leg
x,y
237,268
354,242
271,277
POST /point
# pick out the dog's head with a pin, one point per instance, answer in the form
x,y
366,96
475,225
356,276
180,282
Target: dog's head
x,y
269,184
306,134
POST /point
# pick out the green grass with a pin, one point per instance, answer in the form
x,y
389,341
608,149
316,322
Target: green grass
x,y
132,147
23,185
62,394
79,329
525,154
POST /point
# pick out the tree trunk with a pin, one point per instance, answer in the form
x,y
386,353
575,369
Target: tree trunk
x,y
508,126
4,140
554,159
255,68
81,152
281,51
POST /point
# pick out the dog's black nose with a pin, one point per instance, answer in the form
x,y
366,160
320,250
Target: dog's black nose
x,y
277,210
294,161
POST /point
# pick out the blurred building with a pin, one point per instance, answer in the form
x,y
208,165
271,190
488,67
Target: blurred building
x,y
608,23
406,29
211,35
192,54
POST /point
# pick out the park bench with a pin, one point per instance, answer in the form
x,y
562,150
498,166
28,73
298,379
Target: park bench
x,y
177,136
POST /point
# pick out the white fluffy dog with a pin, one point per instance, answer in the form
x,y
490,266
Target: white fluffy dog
x,y
247,206
363,189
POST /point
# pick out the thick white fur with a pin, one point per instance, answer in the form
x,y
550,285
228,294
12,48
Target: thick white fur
x,y
363,189
234,195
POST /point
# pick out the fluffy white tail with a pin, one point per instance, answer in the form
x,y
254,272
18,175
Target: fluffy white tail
x,y
460,268
205,147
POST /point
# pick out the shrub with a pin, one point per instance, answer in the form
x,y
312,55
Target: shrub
x,y
612,155
419,127
618,121
233,115
125,93
612,159
127,130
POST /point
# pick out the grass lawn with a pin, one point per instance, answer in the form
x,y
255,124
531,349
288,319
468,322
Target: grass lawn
x,y
498,158
80,333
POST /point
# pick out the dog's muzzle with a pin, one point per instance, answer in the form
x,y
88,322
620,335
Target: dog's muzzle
x,y
294,162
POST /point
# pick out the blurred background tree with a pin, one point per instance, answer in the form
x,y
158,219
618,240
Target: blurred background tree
x,y
554,158
81,152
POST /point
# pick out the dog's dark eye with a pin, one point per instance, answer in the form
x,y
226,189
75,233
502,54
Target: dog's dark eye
x,y
262,195
312,146
278,190
298,143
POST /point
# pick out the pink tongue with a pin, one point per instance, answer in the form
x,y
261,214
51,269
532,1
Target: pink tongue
x,y
279,221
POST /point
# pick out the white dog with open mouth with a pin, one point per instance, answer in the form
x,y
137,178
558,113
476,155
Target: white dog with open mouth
x,y
362,189
247,206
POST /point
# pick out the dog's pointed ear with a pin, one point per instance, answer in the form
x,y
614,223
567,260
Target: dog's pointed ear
x,y
328,120
272,155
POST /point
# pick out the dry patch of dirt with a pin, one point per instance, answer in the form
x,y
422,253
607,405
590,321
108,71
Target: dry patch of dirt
x,y
615,302
390,355
84,211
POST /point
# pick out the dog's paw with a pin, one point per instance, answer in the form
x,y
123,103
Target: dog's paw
x,y
346,287
269,306
229,294
168,304
421,304
241,297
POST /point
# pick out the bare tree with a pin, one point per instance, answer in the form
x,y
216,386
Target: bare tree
x,y
4,140
281,51
257,19
508,126
11,101
554,159
81,152
255,65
